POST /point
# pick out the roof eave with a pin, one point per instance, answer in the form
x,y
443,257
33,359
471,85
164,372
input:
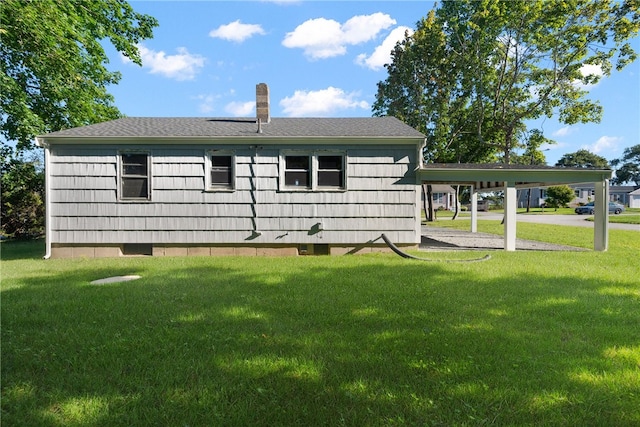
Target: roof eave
x,y
549,176
229,139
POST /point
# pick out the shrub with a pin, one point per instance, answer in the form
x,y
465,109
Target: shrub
x,y
559,196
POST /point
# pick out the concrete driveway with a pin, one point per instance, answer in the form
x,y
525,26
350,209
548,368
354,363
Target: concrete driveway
x,y
435,238
438,239
575,220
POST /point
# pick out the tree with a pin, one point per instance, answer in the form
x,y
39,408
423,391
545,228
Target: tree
x,y
426,90
559,196
533,155
53,64
474,72
583,159
22,195
629,171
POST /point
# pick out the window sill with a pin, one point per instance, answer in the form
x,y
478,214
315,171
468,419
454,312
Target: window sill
x,y
312,190
219,190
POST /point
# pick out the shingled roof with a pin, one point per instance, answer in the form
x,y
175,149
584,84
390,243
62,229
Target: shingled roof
x,y
186,127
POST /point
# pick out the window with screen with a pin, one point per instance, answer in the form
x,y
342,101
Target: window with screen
x,y
220,167
315,171
221,171
134,177
331,171
297,171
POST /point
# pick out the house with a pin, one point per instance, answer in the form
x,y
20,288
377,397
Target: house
x,y
584,194
634,198
219,186
617,193
443,197
533,197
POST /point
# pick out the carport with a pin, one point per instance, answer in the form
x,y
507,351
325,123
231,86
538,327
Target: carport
x,y
510,178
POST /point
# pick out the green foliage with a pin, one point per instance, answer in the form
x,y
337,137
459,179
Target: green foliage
x,y
629,169
22,196
532,155
53,65
53,76
474,71
559,196
583,159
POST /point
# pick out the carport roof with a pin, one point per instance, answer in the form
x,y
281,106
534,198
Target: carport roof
x,y
493,176
509,177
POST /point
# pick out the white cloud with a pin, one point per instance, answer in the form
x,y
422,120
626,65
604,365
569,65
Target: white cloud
x,y
240,109
320,38
182,66
382,54
362,28
236,31
322,102
604,144
325,38
567,130
592,71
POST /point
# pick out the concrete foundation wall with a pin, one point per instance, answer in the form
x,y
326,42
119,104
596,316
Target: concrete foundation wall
x,y
79,251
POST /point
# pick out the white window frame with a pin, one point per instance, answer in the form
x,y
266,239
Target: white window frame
x,y
313,174
209,186
343,169
122,176
283,170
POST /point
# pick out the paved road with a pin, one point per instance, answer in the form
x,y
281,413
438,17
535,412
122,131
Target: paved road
x,y
575,220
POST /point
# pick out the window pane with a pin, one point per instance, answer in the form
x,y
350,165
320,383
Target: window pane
x,y
221,172
330,171
134,169
220,176
296,179
297,162
221,161
134,188
330,162
330,178
134,164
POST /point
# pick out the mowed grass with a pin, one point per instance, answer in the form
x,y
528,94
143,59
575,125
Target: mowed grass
x,y
525,338
629,216
622,219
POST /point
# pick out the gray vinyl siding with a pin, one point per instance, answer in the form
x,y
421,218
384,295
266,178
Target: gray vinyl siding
x,y
381,197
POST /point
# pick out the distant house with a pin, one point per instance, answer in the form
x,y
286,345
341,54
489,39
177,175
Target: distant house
x,y
443,196
617,193
218,186
535,199
634,198
584,194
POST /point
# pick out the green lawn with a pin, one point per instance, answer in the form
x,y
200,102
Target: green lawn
x,y
523,211
622,218
630,216
526,338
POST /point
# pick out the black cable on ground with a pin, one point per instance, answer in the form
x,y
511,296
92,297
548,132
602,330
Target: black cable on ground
x,y
398,251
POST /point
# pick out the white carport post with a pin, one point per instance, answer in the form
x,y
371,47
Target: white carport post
x,y
474,209
510,203
601,216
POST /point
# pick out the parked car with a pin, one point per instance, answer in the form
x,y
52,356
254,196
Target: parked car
x,y
589,208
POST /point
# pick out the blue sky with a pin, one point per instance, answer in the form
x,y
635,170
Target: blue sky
x,y
319,58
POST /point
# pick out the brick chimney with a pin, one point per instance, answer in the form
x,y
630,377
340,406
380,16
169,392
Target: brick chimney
x,y
262,103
